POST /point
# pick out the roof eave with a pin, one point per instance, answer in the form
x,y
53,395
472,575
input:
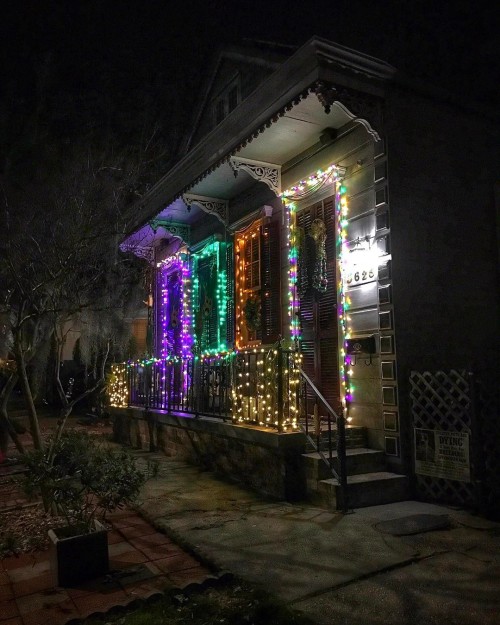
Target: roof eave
x,y
317,60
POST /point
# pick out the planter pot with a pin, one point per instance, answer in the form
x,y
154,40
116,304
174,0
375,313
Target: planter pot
x,y
78,558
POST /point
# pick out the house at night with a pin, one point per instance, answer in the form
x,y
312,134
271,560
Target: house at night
x,y
325,293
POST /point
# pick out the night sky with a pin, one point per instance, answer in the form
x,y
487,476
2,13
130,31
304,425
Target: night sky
x,y
102,50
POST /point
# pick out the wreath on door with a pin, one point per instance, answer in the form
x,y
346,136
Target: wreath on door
x,y
318,233
251,310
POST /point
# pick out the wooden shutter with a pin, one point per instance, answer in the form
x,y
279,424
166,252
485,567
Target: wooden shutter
x,y
318,311
270,282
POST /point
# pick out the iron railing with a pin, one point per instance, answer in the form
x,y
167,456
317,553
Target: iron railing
x,y
259,386
187,385
315,425
262,387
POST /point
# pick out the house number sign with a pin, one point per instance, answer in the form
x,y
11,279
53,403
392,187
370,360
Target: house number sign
x,y
359,275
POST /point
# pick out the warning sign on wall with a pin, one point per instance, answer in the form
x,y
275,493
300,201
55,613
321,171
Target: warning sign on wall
x,y
442,454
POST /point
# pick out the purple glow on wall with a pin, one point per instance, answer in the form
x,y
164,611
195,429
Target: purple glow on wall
x,y
176,339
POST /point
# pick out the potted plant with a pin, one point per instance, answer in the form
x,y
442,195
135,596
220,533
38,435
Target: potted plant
x,y
81,479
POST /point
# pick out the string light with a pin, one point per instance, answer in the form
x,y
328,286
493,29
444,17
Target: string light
x,y
179,264
253,371
215,252
342,211
117,386
290,197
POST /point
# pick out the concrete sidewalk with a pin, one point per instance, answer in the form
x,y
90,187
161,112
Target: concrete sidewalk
x,y
336,569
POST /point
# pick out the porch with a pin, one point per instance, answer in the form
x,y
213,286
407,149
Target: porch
x,y
254,417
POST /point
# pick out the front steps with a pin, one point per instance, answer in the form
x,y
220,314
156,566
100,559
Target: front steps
x,y
365,489
368,482
355,437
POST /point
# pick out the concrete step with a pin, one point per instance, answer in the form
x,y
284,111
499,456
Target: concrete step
x,y
359,460
355,438
365,489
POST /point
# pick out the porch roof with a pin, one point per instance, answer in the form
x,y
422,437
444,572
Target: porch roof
x,y
281,119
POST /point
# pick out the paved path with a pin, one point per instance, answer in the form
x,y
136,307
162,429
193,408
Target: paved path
x,y
143,563
337,569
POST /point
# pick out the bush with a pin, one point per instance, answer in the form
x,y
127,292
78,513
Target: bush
x,y
82,479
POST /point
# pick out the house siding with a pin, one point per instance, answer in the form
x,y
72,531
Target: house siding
x,y
442,166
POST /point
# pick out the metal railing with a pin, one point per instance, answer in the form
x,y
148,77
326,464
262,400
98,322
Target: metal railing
x,y
263,387
187,385
313,402
259,386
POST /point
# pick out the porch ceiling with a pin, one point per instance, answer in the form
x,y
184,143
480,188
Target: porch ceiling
x,y
290,135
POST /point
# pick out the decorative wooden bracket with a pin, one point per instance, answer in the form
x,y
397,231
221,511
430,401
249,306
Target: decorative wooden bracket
x,y
210,205
181,231
360,107
264,172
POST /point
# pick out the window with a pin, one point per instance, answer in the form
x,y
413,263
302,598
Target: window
x,y
212,286
232,98
220,111
227,101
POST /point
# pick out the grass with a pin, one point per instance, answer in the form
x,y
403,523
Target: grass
x,y
230,603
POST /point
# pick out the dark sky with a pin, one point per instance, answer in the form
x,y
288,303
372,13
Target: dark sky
x,y
169,34
115,46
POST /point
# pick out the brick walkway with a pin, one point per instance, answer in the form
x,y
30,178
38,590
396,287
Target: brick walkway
x,y
143,563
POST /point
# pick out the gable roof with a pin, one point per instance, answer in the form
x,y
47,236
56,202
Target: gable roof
x,y
262,115
252,53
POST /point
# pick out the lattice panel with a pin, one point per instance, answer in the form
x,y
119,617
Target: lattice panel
x,y
443,401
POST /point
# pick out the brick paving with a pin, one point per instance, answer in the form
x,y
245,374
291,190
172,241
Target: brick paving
x,y
143,563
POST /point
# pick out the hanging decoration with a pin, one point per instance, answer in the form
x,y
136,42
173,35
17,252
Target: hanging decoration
x,y
251,310
117,387
313,183
255,387
318,233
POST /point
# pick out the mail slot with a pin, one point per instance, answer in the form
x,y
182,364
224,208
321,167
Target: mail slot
x,y
362,345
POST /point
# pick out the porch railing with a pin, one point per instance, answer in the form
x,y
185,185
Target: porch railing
x,y
195,387
262,387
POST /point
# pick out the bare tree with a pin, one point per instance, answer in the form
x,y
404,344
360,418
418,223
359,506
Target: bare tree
x,y
61,268
72,162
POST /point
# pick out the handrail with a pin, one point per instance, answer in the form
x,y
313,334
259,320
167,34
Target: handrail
x,y
318,393
341,475
323,457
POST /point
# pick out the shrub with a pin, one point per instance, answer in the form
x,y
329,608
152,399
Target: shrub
x,y
82,478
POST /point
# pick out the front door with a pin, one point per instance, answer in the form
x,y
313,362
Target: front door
x,y
317,285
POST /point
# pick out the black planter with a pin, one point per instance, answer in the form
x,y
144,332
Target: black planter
x,y
78,558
